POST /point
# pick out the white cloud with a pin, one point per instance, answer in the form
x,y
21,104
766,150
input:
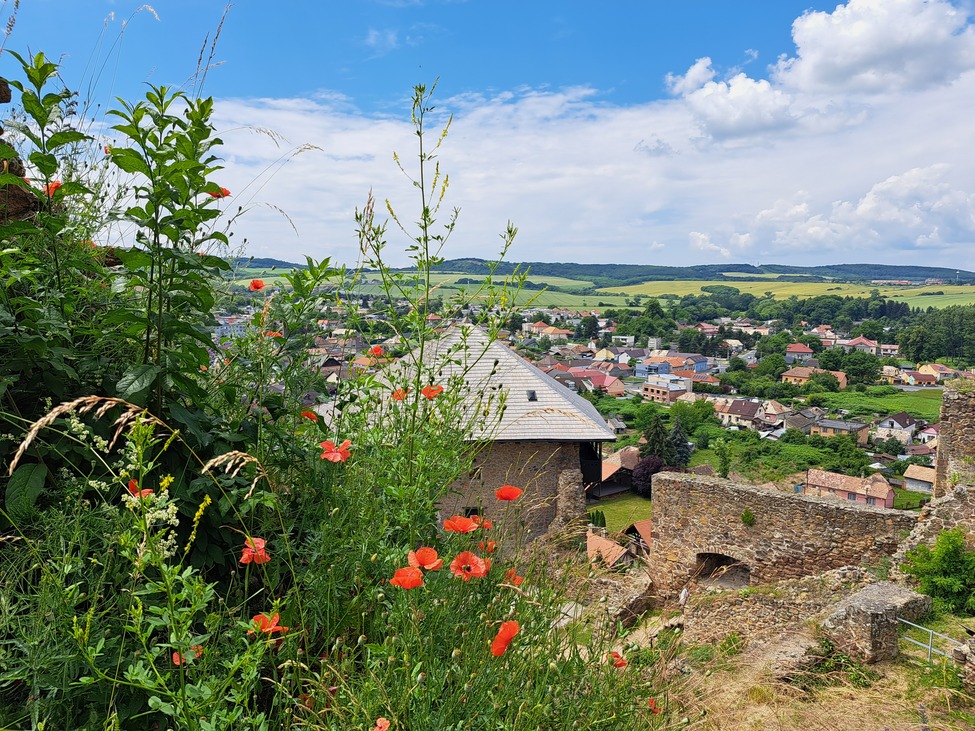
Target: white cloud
x,y
876,46
740,107
697,76
702,242
382,41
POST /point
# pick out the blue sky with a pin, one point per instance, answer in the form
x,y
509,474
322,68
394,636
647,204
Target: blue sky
x,y
639,132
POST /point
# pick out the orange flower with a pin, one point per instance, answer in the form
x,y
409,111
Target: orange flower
x,y
400,393
273,334
459,524
254,551
134,490
203,368
382,724
50,188
512,578
222,194
267,624
310,415
425,558
618,660
506,633
108,150
653,706
256,285
484,523
468,566
431,392
336,454
376,351
508,492
407,578
178,659
488,546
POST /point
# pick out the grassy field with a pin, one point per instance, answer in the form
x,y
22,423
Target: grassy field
x,y
924,404
621,510
953,294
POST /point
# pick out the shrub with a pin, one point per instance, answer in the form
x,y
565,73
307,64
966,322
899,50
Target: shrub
x,y
945,572
748,517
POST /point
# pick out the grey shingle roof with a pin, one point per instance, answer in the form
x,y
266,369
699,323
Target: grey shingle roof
x,y
536,407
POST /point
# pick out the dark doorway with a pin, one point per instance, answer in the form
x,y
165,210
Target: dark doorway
x,y
720,571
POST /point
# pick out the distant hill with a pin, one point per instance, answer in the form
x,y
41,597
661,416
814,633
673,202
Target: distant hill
x,y
267,264
609,275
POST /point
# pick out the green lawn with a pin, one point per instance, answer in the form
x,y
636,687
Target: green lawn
x,y
623,509
924,404
908,499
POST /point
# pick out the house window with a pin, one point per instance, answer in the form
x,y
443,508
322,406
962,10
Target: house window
x,y
851,496
871,501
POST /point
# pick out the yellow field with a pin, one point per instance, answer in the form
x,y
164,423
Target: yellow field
x,y
953,294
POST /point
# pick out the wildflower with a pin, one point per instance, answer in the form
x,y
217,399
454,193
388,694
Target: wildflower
x,y
50,188
178,659
222,194
400,393
203,368
108,150
407,578
376,351
488,546
468,565
382,724
310,415
166,481
336,454
483,523
506,633
134,490
425,558
307,701
654,708
508,492
254,551
431,392
267,624
512,577
256,285
273,334
459,524
618,660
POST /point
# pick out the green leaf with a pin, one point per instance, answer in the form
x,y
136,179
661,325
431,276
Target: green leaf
x,y
46,163
64,137
23,489
137,380
129,161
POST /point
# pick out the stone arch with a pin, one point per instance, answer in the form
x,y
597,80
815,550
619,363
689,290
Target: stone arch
x,y
722,571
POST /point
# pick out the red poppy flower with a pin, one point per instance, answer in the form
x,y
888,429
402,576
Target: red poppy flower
x,y
459,524
653,706
336,454
376,351
307,701
484,523
382,724
618,660
178,659
256,285
222,194
506,633
487,546
267,624
51,187
425,558
431,392
108,150
400,393
273,334
310,415
407,578
468,566
134,490
254,551
512,578
508,492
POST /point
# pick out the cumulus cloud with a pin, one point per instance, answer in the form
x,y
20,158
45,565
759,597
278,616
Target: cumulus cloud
x,y
382,41
740,107
878,46
702,242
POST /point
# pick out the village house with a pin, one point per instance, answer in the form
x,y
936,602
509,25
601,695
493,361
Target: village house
x,y
873,490
901,426
929,435
739,413
916,378
836,427
665,388
939,371
864,345
919,478
797,353
730,346
800,375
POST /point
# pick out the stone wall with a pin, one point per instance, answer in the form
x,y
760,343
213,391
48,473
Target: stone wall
x,y
760,612
955,462
536,467
956,509
792,536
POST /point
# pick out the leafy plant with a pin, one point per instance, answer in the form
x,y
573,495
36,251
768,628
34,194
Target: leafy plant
x,y
945,572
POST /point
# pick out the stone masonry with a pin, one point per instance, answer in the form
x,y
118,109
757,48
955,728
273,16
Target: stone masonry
x,y
539,468
792,536
955,463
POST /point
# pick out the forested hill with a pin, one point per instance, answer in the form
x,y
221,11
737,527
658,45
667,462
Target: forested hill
x,y
267,263
624,274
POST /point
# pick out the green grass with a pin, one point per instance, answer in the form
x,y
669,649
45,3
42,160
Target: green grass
x,y
909,499
623,509
924,404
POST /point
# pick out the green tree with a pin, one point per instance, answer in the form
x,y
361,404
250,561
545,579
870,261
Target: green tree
x,y
831,360
861,367
946,572
679,444
657,441
723,451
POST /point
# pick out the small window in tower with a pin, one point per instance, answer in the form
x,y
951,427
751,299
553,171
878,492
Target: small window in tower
x,y
532,396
